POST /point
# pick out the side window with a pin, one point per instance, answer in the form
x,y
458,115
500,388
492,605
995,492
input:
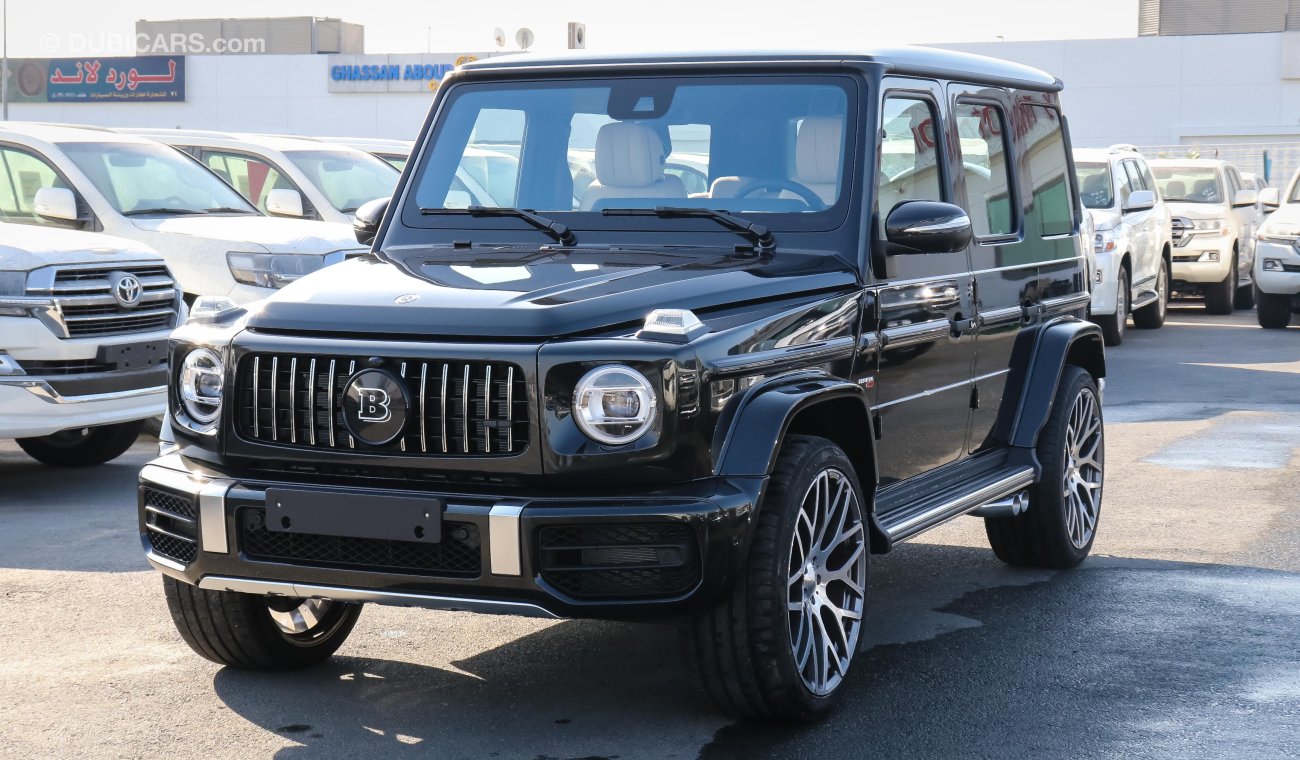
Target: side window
x,y
23,174
1130,182
1135,178
983,132
1147,178
1051,213
254,179
1234,183
909,159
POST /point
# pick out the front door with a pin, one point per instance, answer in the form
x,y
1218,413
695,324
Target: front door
x,y
923,375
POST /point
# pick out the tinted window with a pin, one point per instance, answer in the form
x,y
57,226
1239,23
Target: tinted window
x,y
1051,210
983,131
909,164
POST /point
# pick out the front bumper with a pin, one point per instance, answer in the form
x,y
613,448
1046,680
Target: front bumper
x,y
1200,272
676,549
32,407
1283,278
1104,289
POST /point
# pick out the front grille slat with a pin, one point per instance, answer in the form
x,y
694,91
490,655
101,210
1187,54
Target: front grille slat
x,y
481,407
88,307
171,524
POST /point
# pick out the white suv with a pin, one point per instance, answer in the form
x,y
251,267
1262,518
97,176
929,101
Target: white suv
x,y
84,321
1215,219
1132,240
1277,262
214,241
298,177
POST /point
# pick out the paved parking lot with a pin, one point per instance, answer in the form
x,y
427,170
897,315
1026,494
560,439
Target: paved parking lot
x,y
1180,637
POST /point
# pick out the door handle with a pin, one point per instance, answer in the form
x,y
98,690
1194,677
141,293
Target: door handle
x,y
962,326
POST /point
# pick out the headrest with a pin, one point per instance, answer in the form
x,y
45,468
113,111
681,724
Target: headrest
x,y
1095,183
628,155
1175,189
818,146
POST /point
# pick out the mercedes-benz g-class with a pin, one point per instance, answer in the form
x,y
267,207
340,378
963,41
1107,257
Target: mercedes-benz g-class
x,y
635,400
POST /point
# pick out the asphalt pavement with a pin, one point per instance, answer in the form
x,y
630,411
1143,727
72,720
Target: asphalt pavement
x,y
1178,638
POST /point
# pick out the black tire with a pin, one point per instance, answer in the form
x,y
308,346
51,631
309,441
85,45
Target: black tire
x,y
1152,316
742,650
83,447
1273,311
1114,325
237,630
1244,297
1219,296
1041,536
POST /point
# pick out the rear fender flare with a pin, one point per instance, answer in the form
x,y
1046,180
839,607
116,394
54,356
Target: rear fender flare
x,y
1039,359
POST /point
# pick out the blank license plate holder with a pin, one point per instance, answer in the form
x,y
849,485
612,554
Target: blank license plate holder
x,y
349,515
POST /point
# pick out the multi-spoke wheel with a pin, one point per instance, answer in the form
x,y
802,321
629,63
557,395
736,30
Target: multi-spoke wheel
x,y
258,632
781,643
826,588
1061,523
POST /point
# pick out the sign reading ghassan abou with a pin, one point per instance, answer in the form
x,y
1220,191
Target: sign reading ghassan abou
x,y
416,72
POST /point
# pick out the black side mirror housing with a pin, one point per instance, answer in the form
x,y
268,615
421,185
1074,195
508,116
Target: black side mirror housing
x,y
926,227
366,223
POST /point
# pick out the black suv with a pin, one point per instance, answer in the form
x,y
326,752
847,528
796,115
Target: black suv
x,y
658,336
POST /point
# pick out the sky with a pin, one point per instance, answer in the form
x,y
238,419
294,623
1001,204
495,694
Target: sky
x,y
85,27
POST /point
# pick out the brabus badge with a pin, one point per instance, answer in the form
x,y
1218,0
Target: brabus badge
x,y
409,297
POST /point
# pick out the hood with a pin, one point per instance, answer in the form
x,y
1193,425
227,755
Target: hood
x,y
537,295
1104,219
259,233
1287,215
25,247
1198,210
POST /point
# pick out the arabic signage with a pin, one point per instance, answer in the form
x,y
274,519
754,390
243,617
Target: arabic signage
x,y
393,73
142,78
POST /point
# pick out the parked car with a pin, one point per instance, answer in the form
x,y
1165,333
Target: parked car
x,y
213,240
395,152
1215,219
1277,261
650,406
84,320
1132,240
292,177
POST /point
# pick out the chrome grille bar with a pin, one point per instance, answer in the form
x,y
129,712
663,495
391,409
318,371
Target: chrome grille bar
x,y
329,402
402,445
293,400
257,399
352,370
464,411
424,384
487,410
510,408
311,400
444,409
275,424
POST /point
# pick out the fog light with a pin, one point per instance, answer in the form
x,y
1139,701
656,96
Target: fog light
x,y
1272,265
1209,255
1097,278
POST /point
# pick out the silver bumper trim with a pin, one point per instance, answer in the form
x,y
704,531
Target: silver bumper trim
x,y
342,594
44,391
503,539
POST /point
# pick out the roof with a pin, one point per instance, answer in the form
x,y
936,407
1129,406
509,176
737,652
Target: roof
x,y
61,133
273,142
1209,162
918,60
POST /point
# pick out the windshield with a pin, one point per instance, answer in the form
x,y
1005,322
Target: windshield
x,y
398,160
1095,187
347,178
745,145
1189,184
149,178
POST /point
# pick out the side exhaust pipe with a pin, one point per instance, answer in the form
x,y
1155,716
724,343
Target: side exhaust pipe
x,y
1010,506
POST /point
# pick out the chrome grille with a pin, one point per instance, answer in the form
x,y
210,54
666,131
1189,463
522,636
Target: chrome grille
x,y
86,306
1180,227
458,408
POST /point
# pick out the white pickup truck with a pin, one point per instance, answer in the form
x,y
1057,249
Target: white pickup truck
x,y
84,322
1132,240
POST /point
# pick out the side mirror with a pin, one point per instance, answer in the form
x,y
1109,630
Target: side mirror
x,y
56,204
284,202
1270,198
926,227
1245,198
1140,200
366,224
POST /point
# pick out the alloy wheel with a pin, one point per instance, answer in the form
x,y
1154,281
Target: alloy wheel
x,y
301,620
1083,469
826,586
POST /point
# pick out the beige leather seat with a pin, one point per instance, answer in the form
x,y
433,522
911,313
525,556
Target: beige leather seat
x,y
630,164
818,155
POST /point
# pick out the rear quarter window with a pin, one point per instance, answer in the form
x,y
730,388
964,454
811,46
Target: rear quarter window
x,y
1049,216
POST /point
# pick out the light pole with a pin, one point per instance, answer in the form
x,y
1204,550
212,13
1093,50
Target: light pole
x,y
4,66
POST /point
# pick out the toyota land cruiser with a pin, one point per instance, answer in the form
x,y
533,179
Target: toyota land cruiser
x,y
714,405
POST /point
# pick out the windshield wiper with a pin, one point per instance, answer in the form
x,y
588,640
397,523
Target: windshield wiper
x,y
227,210
160,210
558,232
755,233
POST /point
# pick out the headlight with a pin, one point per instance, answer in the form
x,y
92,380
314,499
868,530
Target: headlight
x,y
202,378
614,404
271,270
1279,234
1208,227
1103,242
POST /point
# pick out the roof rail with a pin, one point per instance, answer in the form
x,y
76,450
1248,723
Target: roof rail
x,y
1124,148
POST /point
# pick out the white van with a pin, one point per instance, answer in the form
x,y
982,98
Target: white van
x,y
214,241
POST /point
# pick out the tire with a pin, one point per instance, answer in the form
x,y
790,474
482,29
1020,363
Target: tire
x,y
1219,296
1244,297
746,650
1152,316
238,630
1273,311
1058,531
83,447
1114,325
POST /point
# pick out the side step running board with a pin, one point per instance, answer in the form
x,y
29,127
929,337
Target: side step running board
x,y
1144,298
914,522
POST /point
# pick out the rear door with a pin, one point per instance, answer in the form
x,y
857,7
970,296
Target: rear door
x,y
923,392
1145,237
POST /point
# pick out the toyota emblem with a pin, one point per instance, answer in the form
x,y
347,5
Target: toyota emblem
x,y
126,288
